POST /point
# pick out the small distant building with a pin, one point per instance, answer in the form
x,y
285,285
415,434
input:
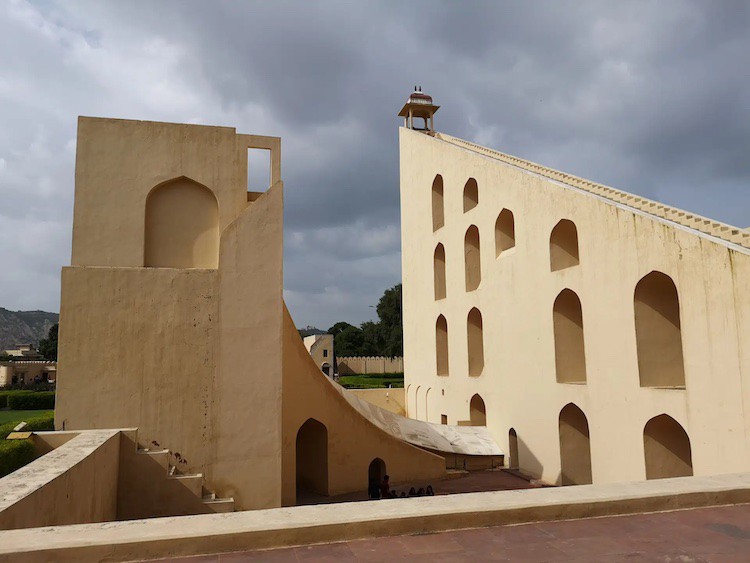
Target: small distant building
x,y
27,372
25,351
320,347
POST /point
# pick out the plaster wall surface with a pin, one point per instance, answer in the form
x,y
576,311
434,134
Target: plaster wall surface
x,y
141,356
389,399
352,439
618,246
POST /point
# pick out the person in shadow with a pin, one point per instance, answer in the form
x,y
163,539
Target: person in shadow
x,y
373,490
385,487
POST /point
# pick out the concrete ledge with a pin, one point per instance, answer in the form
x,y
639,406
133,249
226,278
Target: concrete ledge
x,y
259,529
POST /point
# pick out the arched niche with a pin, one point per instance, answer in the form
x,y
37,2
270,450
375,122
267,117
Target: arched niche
x,y
475,342
575,450
505,232
666,449
472,259
427,404
312,458
563,246
513,462
570,356
416,402
181,226
471,194
439,269
477,411
438,213
376,471
658,332
441,345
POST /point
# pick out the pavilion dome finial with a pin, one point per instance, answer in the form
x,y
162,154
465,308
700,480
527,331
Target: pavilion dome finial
x,y
419,105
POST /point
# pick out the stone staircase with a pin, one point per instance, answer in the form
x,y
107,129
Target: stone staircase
x,y
192,482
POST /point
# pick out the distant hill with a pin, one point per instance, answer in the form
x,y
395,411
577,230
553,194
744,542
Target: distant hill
x,y
24,327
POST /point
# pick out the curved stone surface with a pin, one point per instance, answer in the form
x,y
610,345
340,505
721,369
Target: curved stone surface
x,y
465,440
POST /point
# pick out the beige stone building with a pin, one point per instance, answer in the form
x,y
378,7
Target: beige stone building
x,y
600,336
320,347
27,367
24,352
175,281
27,372
596,335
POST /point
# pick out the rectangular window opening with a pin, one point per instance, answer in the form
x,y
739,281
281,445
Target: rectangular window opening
x,y
258,170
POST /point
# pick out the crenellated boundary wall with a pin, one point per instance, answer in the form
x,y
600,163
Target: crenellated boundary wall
x,y
370,364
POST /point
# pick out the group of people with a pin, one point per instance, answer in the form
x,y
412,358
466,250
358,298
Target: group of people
x,y
383,490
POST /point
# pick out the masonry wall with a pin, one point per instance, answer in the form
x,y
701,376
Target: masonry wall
x,y
618,246
369,365
164,302
353,442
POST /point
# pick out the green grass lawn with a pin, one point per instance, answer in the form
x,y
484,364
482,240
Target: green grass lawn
x,y
371,381
13,416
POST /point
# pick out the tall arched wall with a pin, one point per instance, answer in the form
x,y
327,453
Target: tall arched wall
x,y
353,441
617,247
166,349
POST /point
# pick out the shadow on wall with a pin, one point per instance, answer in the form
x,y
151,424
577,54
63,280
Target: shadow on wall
x,y
523,457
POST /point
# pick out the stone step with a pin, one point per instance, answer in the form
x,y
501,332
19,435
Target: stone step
x,y
193,482
220,504
161,456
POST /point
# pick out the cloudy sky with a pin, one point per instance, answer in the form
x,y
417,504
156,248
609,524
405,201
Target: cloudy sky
x,y
651,97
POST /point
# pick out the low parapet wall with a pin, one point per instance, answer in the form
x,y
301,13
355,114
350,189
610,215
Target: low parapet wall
x,y
280,527
369,365
75,482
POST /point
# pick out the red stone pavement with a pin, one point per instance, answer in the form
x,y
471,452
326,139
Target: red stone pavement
x,y
719,534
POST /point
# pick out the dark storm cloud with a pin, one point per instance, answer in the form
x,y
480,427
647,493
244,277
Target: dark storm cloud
x,y
649,97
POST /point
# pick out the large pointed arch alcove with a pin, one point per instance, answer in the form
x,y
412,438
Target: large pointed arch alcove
x,y
563,246
658,332
472,259
471,194
181,226
666,448
312,458
439,271
575,449
441,346
570,356
505,232
513,449
477,411
475,342
438,213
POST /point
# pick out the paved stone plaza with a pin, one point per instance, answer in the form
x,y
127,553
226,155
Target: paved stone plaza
x,y
720,534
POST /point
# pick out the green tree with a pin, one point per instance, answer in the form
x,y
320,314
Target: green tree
x,y
348,342
336,329
382,338
48,346
391,322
